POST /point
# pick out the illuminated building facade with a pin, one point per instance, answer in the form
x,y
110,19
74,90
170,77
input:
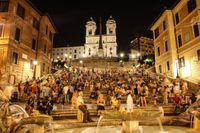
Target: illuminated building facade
x,y
92,43
177,40
26,36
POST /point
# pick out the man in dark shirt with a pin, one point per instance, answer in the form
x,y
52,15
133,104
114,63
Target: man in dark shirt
x,y
193,98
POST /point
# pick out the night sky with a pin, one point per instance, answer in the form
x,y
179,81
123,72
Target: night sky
x,y
132,17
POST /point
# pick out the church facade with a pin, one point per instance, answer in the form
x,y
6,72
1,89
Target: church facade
x,y
92,44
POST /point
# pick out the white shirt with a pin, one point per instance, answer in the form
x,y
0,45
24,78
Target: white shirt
x,y
80,101
129,103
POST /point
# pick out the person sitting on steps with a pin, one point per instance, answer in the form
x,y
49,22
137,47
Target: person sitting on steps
x,y
81,106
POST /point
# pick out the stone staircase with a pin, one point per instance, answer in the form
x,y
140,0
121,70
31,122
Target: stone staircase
x,y
72,113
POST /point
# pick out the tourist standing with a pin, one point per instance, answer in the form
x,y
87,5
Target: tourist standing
x,y
129,102
100,104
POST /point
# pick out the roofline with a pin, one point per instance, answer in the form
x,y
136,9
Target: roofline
x,y
52,22
34,7
42,14
156,19
162,11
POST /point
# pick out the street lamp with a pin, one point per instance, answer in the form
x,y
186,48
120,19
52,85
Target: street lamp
x,y
34,71
70,57
81,62
133,56
66,55
83,55
121,55
177,68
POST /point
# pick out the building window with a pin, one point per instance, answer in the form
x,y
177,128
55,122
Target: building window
x,y
45,48
90,32
14,58
89,51
17,34
181,62
156,32
75,56
48,70
164,25
198,54
166,46
158,51
75,51
191,5
110,31
187,37
43,67
36,23
196,29
33,44
31,64
50,35
46,29
179,40
168,66
177,18
20,11
1,30
160,68
4,4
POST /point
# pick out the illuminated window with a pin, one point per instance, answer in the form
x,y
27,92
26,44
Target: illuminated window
x,y
181,62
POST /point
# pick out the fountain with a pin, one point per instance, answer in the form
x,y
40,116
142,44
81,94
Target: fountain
x,y
13,118
130,120
131,117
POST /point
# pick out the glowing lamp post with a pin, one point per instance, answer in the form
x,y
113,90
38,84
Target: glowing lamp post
x,y
34,71
81,62
122,55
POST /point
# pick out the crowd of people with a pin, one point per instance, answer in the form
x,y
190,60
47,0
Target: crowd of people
x,y
105,88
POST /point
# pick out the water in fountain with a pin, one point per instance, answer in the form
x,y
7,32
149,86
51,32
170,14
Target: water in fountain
x,y
22,109
161,127
98,124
